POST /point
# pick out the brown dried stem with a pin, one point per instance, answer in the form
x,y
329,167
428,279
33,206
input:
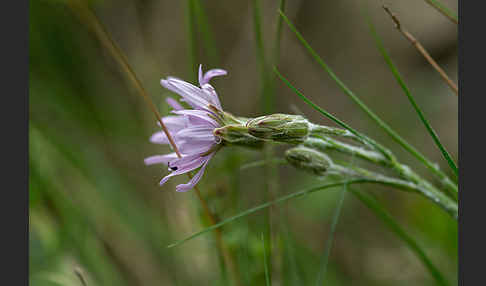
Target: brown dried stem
x,y
95,24
421,49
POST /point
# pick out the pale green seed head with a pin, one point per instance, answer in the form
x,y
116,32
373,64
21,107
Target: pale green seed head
x,y
279,127
309,160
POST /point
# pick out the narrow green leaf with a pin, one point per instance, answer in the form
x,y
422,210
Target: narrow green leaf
x,y
332,117
330,238
402,84
266,99
271,203
394,135
446,202
444,10
383,215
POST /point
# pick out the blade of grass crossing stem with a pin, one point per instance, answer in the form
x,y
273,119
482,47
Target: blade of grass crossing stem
x,y
402,84
327,249
205,30
444,10
265,262
332,117
397,138
384,216
271,203
266,97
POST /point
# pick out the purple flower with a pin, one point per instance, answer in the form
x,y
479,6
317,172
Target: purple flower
x,y
191,129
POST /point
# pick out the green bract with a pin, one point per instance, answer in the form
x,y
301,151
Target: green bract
x,y
279,127
309,160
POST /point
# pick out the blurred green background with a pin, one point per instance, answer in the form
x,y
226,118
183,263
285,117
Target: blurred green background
x,y
97,211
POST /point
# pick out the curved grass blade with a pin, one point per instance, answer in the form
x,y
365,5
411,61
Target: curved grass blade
x,y
444,10
393,134
332,117
374,144
384,216
267,104
330,239
402,84
271,203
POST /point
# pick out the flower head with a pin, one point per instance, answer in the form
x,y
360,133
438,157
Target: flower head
x,y
191,129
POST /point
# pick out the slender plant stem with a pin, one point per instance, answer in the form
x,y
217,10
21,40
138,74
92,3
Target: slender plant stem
x,y
413,183
329,241
361,136
392,224
267,98
403,170
421,50
92,20
444,10
283,199
266,205
392,133
407,92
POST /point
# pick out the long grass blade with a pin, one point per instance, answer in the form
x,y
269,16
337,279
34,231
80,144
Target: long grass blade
x,y
444,10
393,134
389,221
330,239
452,188
271,203
332,117
410,97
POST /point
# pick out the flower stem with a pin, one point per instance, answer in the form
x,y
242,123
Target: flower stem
x,y
87,16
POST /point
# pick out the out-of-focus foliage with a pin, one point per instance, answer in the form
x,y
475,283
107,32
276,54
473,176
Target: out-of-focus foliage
x,y
97,211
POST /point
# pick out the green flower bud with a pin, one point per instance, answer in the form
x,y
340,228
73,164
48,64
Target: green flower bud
x,y
237,135
309,160
279,127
